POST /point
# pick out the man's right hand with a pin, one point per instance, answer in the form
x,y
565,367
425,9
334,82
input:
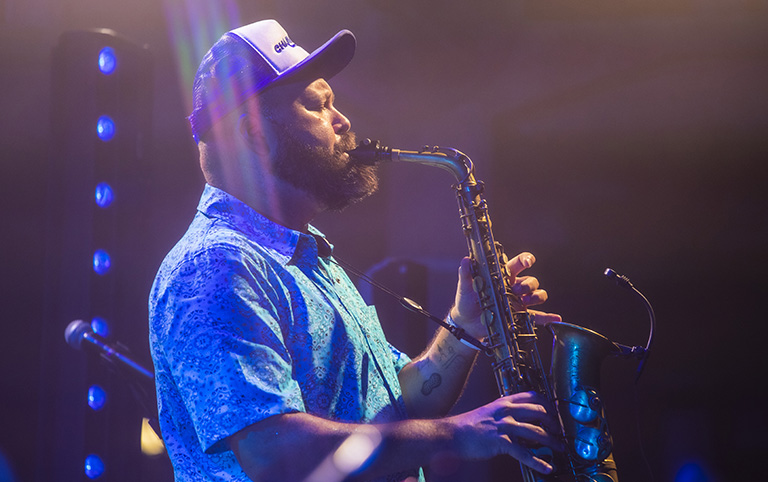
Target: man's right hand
x,y
509,425
290,446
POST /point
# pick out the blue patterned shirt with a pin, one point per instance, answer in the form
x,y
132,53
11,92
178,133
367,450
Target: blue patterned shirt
x,y
248,321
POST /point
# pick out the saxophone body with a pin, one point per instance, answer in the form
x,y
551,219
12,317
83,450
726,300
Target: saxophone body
x,y
573,384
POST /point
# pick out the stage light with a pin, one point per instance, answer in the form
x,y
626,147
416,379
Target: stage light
x,y
107,60
151,444
94,466
693,471
104,195
101,262
105,128
100,327
97,397
101,113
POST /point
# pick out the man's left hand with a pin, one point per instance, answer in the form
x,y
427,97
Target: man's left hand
x,y
466,309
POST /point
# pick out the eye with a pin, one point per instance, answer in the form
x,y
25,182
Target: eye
x,y
316,104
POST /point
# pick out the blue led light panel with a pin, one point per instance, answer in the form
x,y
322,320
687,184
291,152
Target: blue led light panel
x,y
105,128
107,60
104,195
101,262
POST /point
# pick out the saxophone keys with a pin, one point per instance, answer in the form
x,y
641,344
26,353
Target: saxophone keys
x,y
585,405
487,318
478,284
592,444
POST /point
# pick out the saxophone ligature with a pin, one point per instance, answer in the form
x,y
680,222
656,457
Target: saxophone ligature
x,y
573,384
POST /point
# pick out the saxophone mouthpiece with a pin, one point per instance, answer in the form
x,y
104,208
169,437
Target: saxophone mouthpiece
x,y
370,152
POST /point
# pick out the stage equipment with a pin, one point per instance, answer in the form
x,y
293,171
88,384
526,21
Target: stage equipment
x,y
79,331
98,222
573,385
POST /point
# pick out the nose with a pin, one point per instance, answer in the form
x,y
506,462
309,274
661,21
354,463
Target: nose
x,y
341,124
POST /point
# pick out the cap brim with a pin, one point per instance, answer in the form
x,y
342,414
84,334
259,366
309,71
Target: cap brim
x,y
325,62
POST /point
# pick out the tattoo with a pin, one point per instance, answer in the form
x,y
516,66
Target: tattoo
x,y
448,356
431,383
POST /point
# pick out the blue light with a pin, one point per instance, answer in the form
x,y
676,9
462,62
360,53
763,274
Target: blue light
x,y
100,327
94,467
104,195
107,60
692,472
105,128
97,397
101,262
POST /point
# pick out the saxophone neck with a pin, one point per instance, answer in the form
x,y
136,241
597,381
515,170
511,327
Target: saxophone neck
x,y
452,160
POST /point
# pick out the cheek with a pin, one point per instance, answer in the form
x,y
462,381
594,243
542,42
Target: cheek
x,y
310,128
317,134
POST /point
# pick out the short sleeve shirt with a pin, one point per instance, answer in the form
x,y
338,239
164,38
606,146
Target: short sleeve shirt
x,y
249,319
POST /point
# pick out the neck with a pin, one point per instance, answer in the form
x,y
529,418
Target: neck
x,y
277,201
286,205
249,179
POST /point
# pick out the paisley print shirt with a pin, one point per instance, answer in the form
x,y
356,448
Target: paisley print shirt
x,y
249,319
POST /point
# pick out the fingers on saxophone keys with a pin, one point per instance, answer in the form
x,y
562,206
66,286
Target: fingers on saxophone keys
x,y
542,319
534,298
523,437
525,285
527,457
526,417
531,413
519,263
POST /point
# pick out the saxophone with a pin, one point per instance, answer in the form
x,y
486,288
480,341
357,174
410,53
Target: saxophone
x,y
573,385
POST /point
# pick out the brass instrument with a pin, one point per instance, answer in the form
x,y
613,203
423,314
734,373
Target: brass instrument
x,y
574,383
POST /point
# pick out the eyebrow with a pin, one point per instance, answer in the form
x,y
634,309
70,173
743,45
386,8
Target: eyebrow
x,y
325,93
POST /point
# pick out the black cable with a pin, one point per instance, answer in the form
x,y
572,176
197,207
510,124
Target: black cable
x,y
638,422
624,282
411,305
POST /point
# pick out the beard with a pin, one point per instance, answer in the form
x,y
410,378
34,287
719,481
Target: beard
x,y
332,178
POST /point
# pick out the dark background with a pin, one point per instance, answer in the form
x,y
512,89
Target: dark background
x,y
625,134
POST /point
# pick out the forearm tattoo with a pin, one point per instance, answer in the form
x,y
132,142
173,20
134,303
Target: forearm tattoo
x,y
447,356
431,383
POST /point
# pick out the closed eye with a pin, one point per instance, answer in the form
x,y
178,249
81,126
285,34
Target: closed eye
x,y
319,102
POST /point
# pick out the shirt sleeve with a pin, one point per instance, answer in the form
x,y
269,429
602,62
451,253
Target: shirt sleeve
x,y
399,359
225,347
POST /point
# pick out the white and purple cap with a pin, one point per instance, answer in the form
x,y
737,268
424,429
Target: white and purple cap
x,y
250,59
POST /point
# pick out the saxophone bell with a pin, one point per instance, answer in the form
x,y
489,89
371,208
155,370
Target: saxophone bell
x,y
577,354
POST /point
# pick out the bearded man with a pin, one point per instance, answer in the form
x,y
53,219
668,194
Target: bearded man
x,y
266,357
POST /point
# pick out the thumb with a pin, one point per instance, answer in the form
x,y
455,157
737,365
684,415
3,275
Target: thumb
x,y
466,302
465,278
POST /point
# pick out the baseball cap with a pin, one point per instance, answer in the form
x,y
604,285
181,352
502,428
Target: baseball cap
x,y
252,58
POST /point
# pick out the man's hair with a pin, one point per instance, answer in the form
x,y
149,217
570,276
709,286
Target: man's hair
x,y
227,70
219,144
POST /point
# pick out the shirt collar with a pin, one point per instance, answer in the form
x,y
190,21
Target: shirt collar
x,y
287,244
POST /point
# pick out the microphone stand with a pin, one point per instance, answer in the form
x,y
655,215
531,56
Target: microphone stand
x,y
140,380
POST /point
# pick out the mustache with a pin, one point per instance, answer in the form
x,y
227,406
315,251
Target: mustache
x,y
347,143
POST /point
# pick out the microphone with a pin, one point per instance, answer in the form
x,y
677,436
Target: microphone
x,y
624,282
79,331
620,280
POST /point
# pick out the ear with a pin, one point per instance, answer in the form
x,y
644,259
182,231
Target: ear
x,y
252,133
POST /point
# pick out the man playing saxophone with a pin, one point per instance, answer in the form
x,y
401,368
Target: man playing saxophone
x,y
266,357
